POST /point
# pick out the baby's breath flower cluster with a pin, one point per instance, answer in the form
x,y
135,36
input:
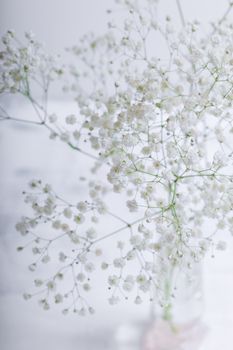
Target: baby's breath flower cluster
x,y
66,221
22,63
160,130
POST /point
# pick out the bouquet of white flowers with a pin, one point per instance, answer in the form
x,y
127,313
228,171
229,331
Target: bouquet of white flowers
x,y
159,133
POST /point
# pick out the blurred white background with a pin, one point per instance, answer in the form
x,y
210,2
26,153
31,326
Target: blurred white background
x,y
60,23
26,152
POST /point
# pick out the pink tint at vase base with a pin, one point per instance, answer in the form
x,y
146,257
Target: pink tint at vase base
x,y
162,336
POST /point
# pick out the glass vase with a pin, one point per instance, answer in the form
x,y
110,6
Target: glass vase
x,y
175,324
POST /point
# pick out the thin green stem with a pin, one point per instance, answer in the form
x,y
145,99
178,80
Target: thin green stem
x,y
180,12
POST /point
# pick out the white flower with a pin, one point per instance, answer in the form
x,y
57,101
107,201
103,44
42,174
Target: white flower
x,y
82,312
132,205
119,262
74,237
120,245
62,257
46,306
81,277
141,279
71,119
32,267
51,285
98,252
56,224
89,267
128,285
219,134
79,219
221,245
38,283
67,213
113,280
36,250
47,188
219,159
86,287
104,266
114,300
149,266
45,259
65,136
138,300
59,276
91,233
82,207
27,296
135,240
76,135
65,227
131,255
91,310
22,227
52,118
94,219
58,298
145,287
